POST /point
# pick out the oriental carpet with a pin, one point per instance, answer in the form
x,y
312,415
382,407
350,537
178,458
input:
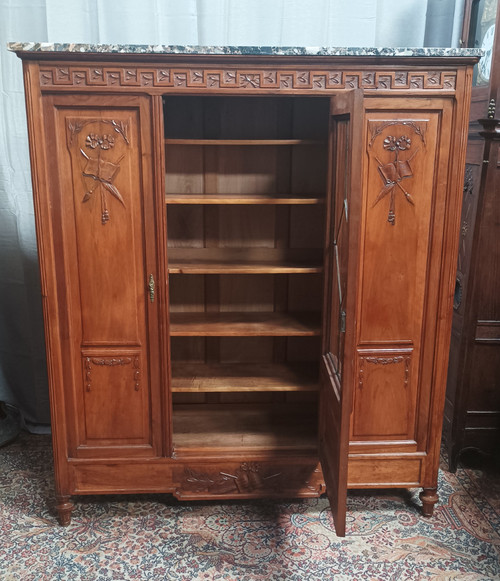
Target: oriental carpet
x,y
157,538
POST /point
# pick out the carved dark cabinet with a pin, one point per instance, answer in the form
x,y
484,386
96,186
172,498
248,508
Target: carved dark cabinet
x,y
247,264
472,411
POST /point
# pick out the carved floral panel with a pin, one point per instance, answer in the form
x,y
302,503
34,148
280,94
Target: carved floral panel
x,y
398,150
93,141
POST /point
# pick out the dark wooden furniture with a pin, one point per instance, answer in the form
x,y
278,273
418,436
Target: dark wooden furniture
x,y
472,411
247,265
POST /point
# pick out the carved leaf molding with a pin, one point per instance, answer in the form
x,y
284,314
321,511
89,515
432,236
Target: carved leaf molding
x,y
313,79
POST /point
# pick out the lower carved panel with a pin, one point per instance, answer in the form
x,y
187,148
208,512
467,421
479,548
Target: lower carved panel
x,y
115,399
384,398
291,477
249,479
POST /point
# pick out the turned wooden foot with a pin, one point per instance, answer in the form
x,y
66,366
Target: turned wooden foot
x,y
64,509
429,497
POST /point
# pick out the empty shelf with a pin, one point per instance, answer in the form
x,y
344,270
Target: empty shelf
x,y
243,261
284,426
244,324
170,141
237,377
251,199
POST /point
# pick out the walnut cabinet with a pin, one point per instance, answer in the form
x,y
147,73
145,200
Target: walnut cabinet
x,y
247,267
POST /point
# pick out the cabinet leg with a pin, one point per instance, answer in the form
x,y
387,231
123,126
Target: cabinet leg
x,y
64,509
429,497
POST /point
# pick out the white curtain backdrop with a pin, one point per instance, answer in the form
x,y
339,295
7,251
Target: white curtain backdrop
x,y
23,379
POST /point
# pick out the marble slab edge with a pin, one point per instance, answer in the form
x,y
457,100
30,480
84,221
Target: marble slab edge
x,y
42,47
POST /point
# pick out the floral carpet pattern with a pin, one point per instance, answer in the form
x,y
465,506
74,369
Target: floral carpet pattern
x,y
157,538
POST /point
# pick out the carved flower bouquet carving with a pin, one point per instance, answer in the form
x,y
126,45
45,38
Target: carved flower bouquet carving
x,y
99,172
102,172
398,167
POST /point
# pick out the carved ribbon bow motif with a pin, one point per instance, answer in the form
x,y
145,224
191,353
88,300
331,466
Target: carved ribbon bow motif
x,y
103,172
394,172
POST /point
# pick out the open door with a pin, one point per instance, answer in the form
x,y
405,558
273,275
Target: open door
x,y
342,245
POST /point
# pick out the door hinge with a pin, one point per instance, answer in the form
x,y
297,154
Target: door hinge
x,y
342,321
151,286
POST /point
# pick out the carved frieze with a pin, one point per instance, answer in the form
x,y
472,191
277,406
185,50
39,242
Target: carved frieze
x,y
177,78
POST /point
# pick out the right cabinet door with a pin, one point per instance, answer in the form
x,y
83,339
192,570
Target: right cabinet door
x,y
341,254
407,245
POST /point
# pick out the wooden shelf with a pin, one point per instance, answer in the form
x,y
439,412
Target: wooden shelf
x,y
170,141
246,324
243,261
238,377
284,426
233,199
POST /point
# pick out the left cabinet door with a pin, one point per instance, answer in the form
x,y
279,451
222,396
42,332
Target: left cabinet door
x,y
100,199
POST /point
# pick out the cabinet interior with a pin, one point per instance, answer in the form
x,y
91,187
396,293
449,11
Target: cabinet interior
x,y
246,182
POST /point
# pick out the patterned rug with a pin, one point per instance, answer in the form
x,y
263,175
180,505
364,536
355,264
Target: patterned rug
x,y
156,538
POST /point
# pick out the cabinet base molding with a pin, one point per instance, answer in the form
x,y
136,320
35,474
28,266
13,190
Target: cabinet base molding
x,y
251,477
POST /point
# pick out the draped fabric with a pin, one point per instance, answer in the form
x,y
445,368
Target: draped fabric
x,y
23,379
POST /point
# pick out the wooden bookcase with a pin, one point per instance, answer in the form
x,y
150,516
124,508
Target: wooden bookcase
x,y
247,268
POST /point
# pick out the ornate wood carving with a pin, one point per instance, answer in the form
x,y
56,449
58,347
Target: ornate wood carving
x,y
384,361
88,374
397,165
176,78
248,477
137,374
467,216
468,179
111,362
98,170
75,126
